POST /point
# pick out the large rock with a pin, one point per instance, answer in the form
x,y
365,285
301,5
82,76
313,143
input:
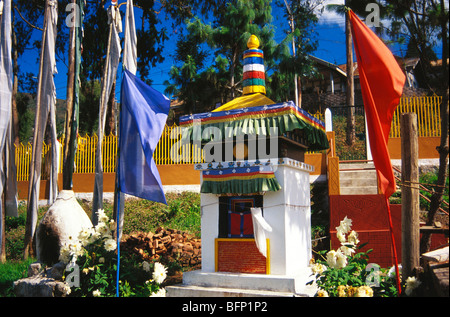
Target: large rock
x,y
64,219
42,282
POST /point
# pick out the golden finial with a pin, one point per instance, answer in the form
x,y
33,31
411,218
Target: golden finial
x,y
253,42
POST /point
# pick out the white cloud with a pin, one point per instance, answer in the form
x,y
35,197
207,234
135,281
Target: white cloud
x,y
330,17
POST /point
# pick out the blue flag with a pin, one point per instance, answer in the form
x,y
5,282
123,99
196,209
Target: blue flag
x,y
142,120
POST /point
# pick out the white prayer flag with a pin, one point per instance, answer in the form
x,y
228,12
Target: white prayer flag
x,y
260,228
109,76
130,46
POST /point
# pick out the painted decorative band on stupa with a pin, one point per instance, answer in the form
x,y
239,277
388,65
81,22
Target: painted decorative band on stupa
x,y
254,72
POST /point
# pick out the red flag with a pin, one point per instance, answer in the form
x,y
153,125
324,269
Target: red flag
x,y
382,82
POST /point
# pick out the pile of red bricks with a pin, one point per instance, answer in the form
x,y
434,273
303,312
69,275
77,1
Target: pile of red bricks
x,y
171,243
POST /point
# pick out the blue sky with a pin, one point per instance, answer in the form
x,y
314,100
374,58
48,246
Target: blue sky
x,y
330,36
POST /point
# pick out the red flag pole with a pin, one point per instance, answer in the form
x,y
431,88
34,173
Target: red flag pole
x,y
394,248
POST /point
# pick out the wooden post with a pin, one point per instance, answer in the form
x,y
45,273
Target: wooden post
x,y
2,228
69,139
350,94
410,195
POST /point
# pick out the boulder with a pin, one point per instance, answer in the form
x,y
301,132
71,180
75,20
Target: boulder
x,y
64,220
42,282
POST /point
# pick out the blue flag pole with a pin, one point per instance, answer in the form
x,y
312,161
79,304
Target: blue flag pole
x,y
118,247
117,207
142,118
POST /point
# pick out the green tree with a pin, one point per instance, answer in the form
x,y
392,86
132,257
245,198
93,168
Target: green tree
x,y
191,81
226,36
416,22
301,18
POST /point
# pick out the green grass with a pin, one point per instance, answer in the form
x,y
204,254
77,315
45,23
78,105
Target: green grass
x,y
12,271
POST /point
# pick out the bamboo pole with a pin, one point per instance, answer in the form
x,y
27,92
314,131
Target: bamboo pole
x,y
36,158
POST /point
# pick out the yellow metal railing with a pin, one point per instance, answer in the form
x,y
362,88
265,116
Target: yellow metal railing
x,y
428,115
171,151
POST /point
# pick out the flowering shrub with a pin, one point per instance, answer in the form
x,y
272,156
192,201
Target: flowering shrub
x,y
346,273
94,254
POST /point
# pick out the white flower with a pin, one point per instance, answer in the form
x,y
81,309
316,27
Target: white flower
x,y
364,291
96,293
110,245
159,273
84,235
102,217
331,258
411,284
76,249
112,225
340,235
353,238
103,229
344,225
64,254
101,260
336,259
94,236
341,260
347,250
160,293
322,293
318,268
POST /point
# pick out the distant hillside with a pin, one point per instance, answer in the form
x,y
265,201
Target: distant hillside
x,y
31,108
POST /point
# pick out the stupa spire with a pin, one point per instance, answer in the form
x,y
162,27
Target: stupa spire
x,y
254,80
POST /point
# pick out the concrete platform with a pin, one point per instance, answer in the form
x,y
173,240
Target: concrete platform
x,y
220,284
201,291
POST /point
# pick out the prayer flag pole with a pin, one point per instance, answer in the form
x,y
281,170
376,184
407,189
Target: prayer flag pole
x,y
129,63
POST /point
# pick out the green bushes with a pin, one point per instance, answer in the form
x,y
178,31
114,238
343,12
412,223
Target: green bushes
x,y
429,181
182,212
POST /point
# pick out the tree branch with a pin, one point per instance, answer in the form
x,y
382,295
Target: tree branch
x,y
33,26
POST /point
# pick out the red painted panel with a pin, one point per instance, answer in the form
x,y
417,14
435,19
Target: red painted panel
x,y
369,217
240,256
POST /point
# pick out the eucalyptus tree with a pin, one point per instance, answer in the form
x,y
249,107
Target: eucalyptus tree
x,y
302,17
223,39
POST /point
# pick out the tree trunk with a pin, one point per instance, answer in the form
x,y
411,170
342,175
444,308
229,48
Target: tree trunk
x,y
299,87
350,83
232,68
36,159
110,125
69,138
2,228
443,148
15,114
